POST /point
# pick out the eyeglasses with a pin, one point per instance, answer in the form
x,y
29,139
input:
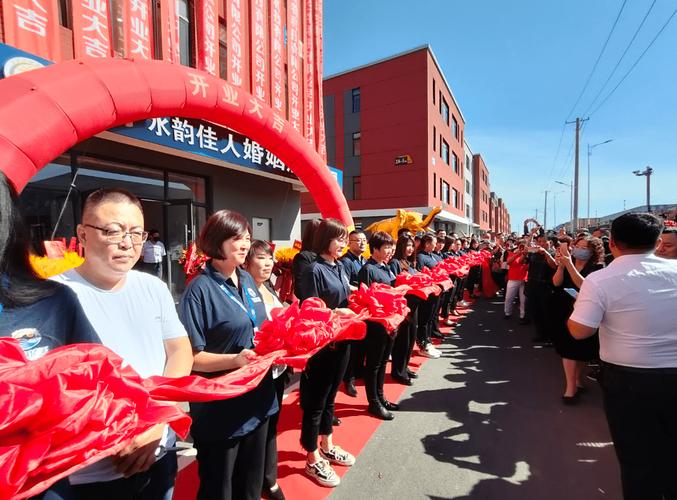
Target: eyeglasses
x,y
117,236
361,240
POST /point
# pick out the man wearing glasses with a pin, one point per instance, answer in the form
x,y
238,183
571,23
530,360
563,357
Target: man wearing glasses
x,y
134,315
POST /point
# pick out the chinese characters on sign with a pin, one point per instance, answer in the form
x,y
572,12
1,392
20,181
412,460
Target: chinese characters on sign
x,y
259,52
91,28
214,142
277,61
308,74
138,29
294,63
319,71
235,47
33,25
208,39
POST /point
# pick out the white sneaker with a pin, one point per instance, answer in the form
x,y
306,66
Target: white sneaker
x,y
323,474
338,456
430,352
463,303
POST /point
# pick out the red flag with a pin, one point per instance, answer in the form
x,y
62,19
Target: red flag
x,y
309,73
138,29
91,29
277,87
170,31
319,102
208,36
259,53
236,42
33,26
294,64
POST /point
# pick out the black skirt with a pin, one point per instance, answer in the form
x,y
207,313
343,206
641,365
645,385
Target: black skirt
x,y
561,307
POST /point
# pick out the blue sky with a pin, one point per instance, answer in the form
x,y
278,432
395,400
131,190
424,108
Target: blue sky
x,y
517,68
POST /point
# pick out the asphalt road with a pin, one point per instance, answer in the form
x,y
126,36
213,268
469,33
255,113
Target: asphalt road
x,y
485,421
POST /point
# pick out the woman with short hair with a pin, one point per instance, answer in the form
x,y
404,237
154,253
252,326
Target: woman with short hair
x,y
428,310
221,309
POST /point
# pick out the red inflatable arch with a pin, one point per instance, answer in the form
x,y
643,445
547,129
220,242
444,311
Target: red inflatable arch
x,y
46,111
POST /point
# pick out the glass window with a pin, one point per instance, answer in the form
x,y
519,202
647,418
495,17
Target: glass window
x,y
94,173
454,162
357,136
454,127
434,185
223,50
467,186
445,192
444,110
455,199
186,187
444,151
434,91
356,100
467,211
357,187
434,139
467,162
65,14
184,9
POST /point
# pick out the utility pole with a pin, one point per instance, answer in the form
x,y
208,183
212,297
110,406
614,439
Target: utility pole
x,y
545,212
574,221
646,172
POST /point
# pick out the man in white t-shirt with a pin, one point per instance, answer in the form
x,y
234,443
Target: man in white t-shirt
x,y
632,302
134,315
152,253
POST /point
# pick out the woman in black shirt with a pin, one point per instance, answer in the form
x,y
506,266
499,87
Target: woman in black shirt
x,y
427,315
304,259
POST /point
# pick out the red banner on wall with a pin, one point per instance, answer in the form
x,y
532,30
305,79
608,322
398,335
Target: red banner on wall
x,y
277,87
308,73
236,50
259,52
319,103
91,28
170,31
138,29
33,26
294,64
208,36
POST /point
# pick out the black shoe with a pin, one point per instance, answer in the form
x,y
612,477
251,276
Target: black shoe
x,y
390,406
351,390
380,412
336,422
437,335
507,316
524,321
403,381
570,400
412,374
580,390
273,494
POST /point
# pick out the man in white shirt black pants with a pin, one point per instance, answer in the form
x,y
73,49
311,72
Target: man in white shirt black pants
x,y
633,302
152,253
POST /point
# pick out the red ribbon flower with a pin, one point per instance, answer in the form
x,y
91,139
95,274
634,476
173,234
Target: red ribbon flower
x,y
380,303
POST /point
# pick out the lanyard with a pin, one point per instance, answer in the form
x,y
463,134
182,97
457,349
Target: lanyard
x,y
250,312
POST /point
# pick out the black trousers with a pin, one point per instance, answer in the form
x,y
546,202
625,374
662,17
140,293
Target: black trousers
x,y
270,468
427,317
232,468
157,483
355,368
641,409
403,344
474,278
319,383
377,345
538,297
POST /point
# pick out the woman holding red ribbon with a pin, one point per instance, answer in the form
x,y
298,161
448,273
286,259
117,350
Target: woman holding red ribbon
x,y
221,310
327,279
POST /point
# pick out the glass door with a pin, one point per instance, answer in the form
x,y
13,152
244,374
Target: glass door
x,y
181,231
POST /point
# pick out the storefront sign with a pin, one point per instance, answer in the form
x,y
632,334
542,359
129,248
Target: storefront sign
x,y
277,87
138,29
403,160
170,31
91,28
33,25
259,53
208,37
308,73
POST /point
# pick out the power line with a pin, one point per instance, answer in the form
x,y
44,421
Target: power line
x,y
601,53
559,146
635,63
613,72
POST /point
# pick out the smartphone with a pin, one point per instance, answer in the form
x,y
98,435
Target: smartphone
x,y
572,292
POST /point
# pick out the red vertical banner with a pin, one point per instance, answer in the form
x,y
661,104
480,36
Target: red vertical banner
x,y
170,31
138,29
208,36
259,53
294,64
319,71
236,51
91,28
33,26
277,90
309,72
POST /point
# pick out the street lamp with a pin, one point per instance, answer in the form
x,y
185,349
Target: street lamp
x,y
646,172
571,188
554,206
590,148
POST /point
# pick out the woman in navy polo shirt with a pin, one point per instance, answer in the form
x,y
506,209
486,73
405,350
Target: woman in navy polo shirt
x,y
328,280
428,310
221,309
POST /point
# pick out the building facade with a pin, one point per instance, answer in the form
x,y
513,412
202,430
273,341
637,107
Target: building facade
x,y
396,131
481,191
181,169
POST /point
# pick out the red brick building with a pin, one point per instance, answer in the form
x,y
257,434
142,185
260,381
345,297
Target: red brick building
x,y
396,131
482,214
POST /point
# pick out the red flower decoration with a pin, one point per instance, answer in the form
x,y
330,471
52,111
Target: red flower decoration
x,y
381,303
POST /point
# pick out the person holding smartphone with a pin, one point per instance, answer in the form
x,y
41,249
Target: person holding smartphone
x,y
586,256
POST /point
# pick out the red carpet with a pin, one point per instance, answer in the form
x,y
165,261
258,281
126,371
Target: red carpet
x,y
352,435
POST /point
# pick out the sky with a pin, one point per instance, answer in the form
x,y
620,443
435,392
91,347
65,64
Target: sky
x,y
517,70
